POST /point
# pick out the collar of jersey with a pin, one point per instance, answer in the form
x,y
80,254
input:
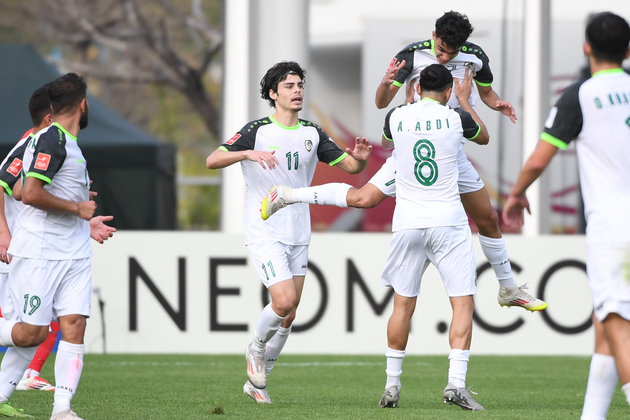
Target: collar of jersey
x,y
430,100
295,127
65,131
609,71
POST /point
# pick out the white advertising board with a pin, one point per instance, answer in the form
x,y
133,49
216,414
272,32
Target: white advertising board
x,y
177,292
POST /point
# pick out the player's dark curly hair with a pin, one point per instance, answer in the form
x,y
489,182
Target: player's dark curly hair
x,y
67,92
275,75
609,36
435,78
453,29
39,105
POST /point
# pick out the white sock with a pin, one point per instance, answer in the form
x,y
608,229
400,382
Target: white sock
x,y
30,373
626,390
333,194
268,324
602,381
6,328
496,254
457,367
274,347
68,368
14,363
394,367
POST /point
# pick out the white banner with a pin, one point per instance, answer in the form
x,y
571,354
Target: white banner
x,y
177,292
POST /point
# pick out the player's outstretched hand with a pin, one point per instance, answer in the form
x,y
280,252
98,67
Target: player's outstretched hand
x,y
463,89
362,149
86,209
513,210
266,159
99,231
392,72
506,109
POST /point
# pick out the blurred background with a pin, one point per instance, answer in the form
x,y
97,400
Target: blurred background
x,y
161,74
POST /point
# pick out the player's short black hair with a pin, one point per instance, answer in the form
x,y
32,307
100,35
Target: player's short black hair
x,y
453,29
67,92
275,75
609,36
39,105
435,78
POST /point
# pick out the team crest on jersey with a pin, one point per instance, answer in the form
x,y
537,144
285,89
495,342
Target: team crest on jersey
x,y
15,168
309,145
469,65
42,161
233,139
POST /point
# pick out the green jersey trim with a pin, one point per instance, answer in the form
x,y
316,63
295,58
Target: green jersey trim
x,y
478,131
397,84
339,159
609,71
223,148
429,100
386,138
433,47
65,131
39,176
553,141
482,84
6,187
295,127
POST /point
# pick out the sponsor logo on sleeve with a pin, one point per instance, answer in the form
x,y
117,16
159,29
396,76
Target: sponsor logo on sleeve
x,y
42,161
391,65
15,168
233,139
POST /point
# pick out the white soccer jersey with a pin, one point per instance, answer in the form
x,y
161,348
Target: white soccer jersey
x,y
596,113
54,156
428,137
420,55
298,149
10,171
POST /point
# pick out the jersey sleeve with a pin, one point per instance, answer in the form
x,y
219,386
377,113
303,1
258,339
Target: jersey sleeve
x,y
327,150
483,76
407,55
244,139
11,167
49,155
564,122
387,131
469,126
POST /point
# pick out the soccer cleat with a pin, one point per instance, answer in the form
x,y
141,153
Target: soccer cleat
x,y
65,415
259,395
461,397
6,410
279,197
390,398
256,368
34,384
516,296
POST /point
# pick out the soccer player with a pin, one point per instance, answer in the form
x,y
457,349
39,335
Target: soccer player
x,y
449,47
596,114
50,250
430,224
281,148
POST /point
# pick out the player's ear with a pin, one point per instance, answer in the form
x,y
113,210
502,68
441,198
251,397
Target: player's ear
x,y
628,53
586,47
48,119
273,95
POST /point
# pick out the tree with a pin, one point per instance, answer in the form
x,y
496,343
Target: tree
x,y
156,42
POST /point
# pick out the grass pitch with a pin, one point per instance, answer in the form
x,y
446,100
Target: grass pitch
x,y
319,387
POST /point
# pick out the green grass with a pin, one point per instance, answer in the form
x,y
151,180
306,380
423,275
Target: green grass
x,y
319,387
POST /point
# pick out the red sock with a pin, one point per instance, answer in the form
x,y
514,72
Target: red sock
x,y
44,349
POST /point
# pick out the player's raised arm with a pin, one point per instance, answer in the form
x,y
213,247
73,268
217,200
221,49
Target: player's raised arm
x,y
357,158
387,89
492,100
462,91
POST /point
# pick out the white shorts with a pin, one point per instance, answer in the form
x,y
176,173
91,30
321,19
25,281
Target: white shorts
x,y
42,290
468,179
449,248
608,270
275,262
5,298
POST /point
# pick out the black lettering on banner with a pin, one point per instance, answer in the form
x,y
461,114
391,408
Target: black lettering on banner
x,y
541,293
216,291
135,271
355,278
487,326
323,303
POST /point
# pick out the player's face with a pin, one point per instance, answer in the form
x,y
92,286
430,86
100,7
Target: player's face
x,y
290,93
443,52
